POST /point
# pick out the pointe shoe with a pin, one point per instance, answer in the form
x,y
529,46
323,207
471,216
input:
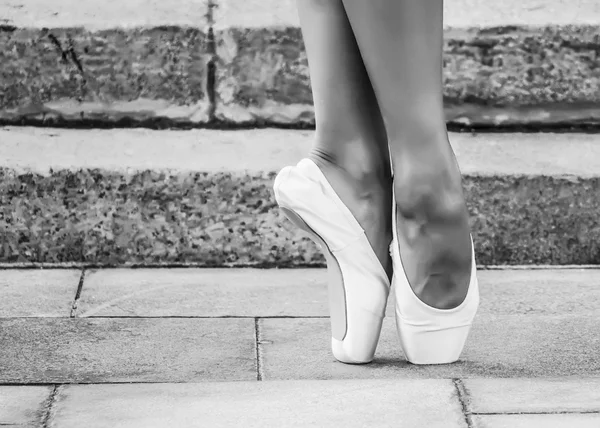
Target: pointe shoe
x,y
430,335
357,283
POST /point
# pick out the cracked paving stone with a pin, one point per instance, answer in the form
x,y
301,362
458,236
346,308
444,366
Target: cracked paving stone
x,y
37,293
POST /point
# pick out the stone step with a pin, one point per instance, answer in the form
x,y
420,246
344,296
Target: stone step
x,y
267,13
532,198
268,150
442,403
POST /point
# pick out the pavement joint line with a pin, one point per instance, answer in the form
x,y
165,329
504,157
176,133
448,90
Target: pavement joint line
x,y
242,317
258,349
161,382
27,384
77,294
88,266
565,412
463,398
50,406
206,317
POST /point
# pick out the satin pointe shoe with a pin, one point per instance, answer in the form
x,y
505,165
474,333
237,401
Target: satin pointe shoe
x,y
430,335
358,286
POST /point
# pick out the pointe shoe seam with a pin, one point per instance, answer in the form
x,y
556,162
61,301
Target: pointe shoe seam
x,y
404,321
380,315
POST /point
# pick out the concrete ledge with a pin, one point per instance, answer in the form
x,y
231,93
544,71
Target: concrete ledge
x,y
260,151
502,77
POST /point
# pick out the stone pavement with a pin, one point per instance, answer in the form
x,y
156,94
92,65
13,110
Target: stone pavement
x,y
244,347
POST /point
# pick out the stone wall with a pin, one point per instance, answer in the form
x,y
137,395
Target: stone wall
x,y
546,76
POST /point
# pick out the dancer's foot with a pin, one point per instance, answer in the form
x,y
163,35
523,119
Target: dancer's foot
x,y
435,281
433,234
358,285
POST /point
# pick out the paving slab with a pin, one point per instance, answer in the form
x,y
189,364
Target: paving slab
x,y
37,293
533,395
203,292
271,149
537,421
51,350
504,346
360,403
303,292
23,406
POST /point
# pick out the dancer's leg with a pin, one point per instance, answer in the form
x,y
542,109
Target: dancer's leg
x,y
401,45
351,144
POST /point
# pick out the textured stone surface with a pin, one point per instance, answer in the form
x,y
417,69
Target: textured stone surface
x,y
62,74
534,395
157,77
37,293
498,346
231,219
360,403
126,350
537,421
265,74
540,292
261,13
303,292
23,406
203,292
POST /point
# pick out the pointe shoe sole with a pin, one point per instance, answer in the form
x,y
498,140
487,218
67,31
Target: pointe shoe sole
x,y
355,327
430,335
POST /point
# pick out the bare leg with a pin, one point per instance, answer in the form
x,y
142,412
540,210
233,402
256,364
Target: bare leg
x,y
401,45
351,143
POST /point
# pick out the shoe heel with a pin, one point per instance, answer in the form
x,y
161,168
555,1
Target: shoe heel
x,y
422,346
